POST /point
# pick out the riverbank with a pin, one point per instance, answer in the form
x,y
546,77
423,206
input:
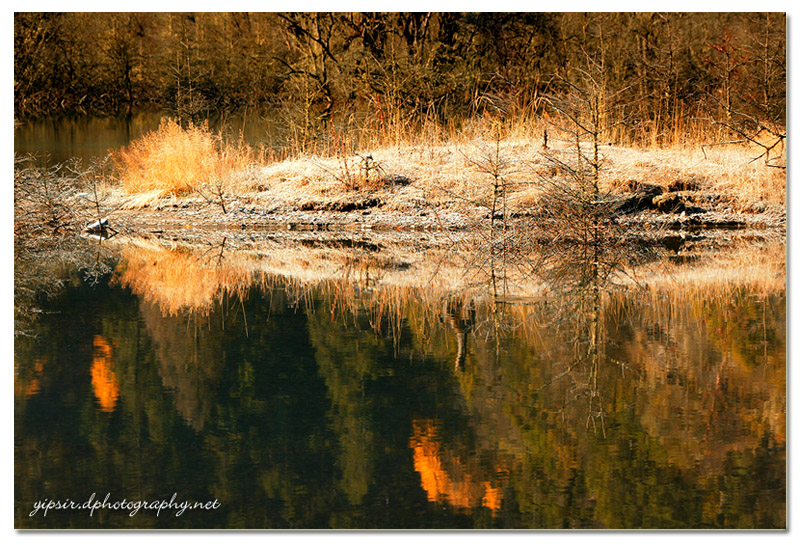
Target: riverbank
x,y
184,181
244,216
452,187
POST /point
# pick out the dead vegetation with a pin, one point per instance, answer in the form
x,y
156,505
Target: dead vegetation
x,y
182,164
52,202
176,161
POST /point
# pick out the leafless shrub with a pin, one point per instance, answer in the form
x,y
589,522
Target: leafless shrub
x,y
45,199
54,202
52,205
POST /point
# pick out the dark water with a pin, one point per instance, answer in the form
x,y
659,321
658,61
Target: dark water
x,y
58,139
327,407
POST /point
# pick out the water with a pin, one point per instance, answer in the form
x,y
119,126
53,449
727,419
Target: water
x,y
324,386
58,139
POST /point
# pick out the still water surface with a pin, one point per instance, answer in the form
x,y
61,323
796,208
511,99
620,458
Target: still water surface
x,y
319,404
58,139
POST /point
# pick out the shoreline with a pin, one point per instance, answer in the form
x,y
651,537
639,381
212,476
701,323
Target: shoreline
x,y
448,187
191,217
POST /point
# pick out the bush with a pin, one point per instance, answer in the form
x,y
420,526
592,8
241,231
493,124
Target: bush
x,y
176,160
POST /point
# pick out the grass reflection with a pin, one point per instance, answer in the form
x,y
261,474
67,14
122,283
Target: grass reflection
x,y
177,280
586,324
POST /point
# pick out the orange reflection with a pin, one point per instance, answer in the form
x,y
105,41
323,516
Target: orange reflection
x,y
178,280
492,497
29,386
455,486
104,382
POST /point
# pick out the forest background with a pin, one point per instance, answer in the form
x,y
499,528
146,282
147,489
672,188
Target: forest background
x,y
664,76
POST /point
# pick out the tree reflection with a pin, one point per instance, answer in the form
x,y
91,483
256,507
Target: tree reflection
x,y
573,397
104,381
461,320
446,476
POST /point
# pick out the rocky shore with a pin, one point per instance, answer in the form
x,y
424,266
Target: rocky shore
x,y
242,216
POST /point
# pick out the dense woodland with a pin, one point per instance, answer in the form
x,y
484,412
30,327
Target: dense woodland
x,y
324,70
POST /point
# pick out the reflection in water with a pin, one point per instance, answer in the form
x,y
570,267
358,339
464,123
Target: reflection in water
x,y
462,321
27,386
104,381
190,358
325,386
457,485
182,281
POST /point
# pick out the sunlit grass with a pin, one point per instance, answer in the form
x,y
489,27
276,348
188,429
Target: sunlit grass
x,y
729,172
174,160
438,165
442,172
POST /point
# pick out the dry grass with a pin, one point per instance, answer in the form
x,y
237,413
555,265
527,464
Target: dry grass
x,y
440,175
440,162
445,176
438,167
728,171
175,161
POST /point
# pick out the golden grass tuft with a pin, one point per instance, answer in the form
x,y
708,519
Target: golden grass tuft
x,y
176,160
